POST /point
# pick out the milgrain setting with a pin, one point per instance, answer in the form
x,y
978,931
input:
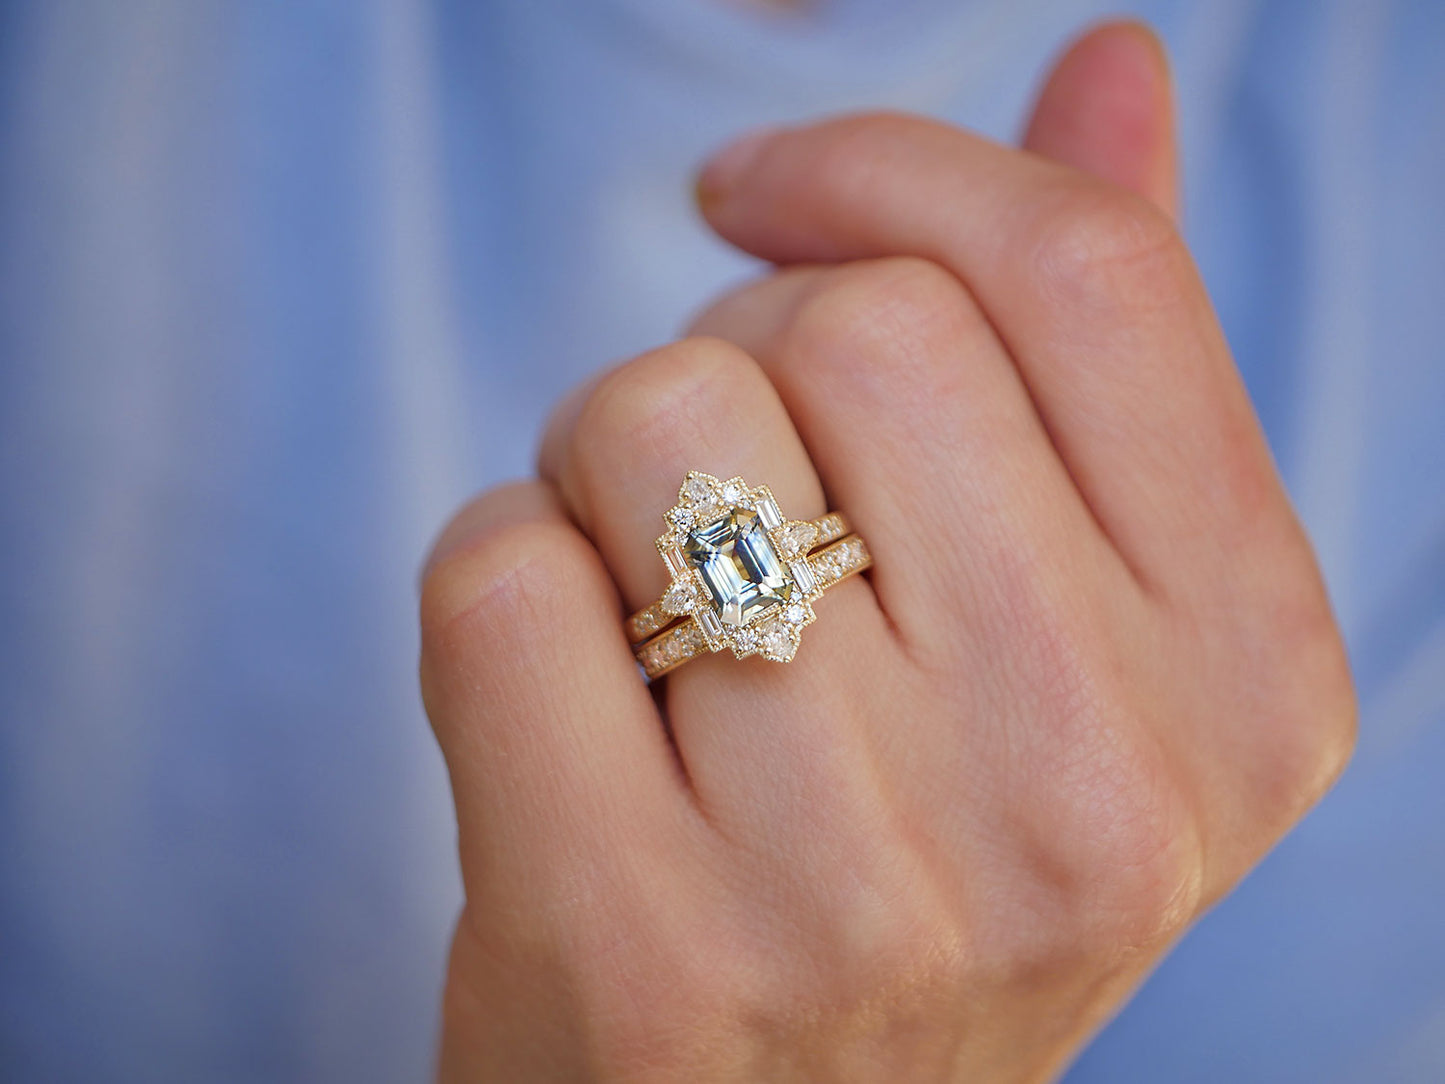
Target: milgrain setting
x,y
743,576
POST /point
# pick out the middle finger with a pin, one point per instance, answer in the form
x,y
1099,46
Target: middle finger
x,y
918,418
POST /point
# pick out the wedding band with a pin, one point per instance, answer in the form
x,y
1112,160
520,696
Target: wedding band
x,y
743,576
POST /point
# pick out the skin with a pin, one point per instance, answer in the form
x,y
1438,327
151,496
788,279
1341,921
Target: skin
x,y
1092,679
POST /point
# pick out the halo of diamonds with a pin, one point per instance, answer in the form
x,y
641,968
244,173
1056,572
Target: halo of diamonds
x,y
774,634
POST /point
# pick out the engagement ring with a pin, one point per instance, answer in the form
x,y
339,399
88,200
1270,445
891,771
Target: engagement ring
x,y
743,577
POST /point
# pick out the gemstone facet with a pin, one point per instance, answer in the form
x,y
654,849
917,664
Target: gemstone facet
x,y
739,566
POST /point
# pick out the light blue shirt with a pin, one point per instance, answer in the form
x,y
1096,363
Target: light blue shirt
x,y
280,285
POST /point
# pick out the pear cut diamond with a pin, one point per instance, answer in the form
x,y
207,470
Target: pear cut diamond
x,y
677,599
780,642
698,488
797,538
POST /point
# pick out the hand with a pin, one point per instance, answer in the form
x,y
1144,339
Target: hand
x,y
1091,679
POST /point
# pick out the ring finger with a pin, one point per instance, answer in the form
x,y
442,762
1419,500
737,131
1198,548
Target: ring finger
x,y
618,453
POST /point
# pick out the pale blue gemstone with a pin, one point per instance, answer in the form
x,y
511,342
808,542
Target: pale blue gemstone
x,y
739,567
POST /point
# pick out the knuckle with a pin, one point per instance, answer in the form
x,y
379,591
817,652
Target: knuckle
x,y
1104,247
658,398
889,926
1125,855
1332,717
516,578
1112,849
1304,696
1249,495
887,327
910,945
1150,878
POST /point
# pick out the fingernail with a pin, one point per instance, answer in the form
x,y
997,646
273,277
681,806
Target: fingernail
x,y
721,172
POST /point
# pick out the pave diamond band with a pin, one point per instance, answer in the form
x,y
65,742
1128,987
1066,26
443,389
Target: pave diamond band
x,y
743,576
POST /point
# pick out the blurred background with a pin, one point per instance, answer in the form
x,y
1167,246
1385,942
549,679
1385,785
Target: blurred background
x,y
283,283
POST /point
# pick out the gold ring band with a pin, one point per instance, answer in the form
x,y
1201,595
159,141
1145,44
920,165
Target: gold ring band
x,y
743,576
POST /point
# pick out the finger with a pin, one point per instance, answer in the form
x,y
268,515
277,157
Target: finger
x,y
556,751
756,312
1089,287
502,507
1106,109
901,389
897,383
619,453
748,732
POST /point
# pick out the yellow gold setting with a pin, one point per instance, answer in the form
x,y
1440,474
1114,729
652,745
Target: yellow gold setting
x,y
743,577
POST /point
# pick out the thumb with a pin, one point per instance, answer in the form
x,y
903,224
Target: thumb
x,y
1107,109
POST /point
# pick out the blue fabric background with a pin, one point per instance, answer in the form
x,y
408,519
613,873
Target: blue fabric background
x,y
281,284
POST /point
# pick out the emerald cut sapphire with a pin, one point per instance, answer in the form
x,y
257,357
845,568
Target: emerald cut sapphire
x,y
739,566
